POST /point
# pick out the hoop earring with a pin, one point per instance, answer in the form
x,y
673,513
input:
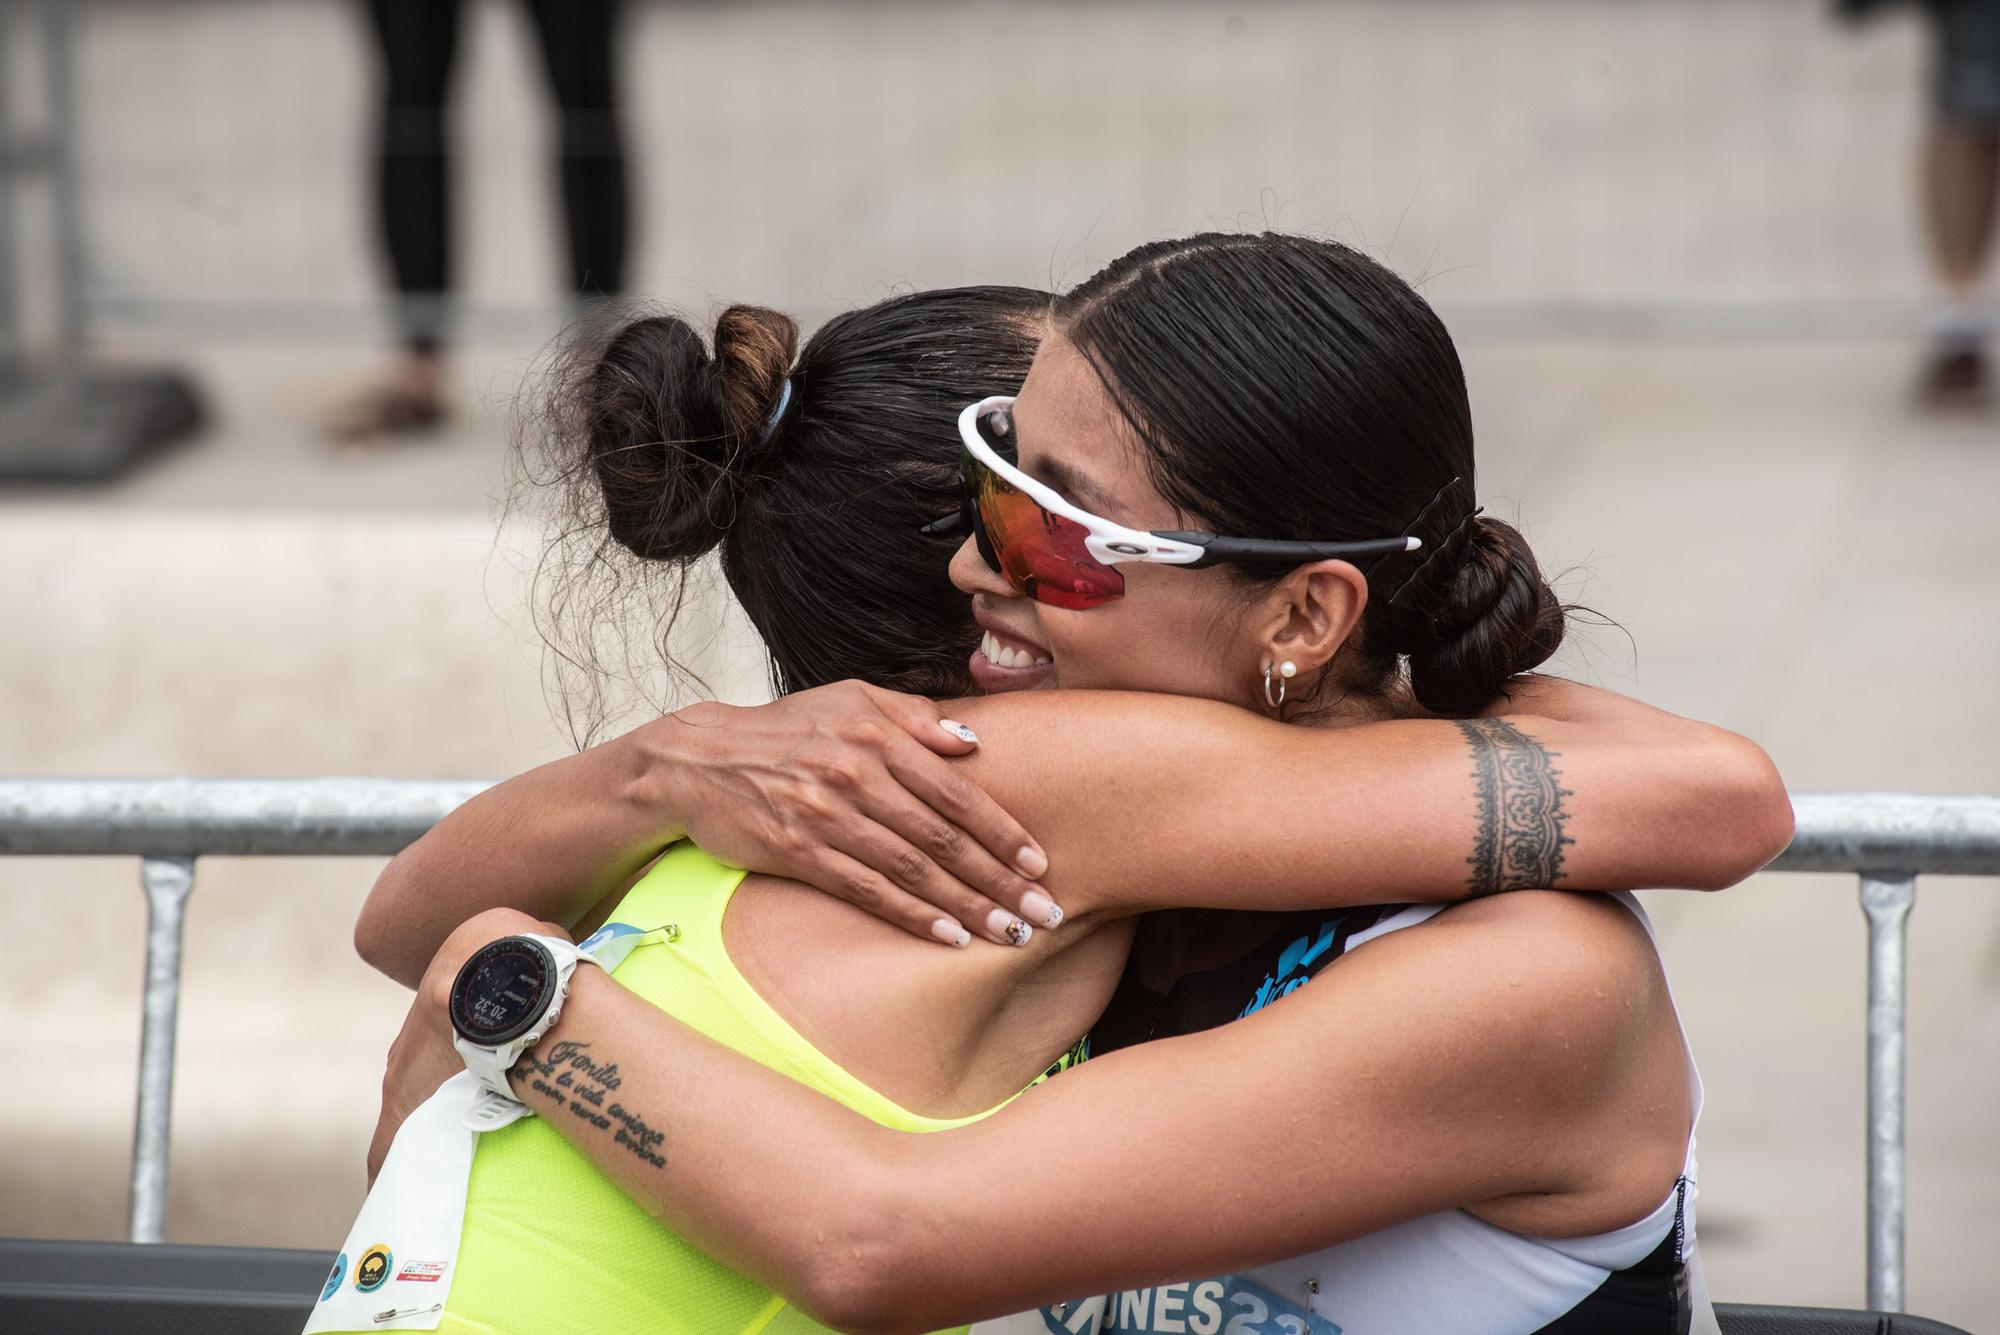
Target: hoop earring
x,y
1286,671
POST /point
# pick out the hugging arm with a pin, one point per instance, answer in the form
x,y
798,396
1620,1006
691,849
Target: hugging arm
x,y
1151,802
1140,801
846,786
1186,1173
592,831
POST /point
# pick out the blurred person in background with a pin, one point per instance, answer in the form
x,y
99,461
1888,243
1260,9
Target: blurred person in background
x,y
1961,177
418,40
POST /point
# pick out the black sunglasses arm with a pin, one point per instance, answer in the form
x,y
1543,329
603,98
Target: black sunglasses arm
x,y
1216,551
952,525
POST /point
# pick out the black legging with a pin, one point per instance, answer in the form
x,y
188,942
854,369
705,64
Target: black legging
x,y
418,38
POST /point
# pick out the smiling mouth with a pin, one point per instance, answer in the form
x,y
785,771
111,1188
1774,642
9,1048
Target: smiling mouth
x,y
1001,653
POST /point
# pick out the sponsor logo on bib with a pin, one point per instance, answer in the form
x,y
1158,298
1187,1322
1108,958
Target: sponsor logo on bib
x,y
371,1272
334,1276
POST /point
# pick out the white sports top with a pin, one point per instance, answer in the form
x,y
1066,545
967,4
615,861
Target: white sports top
x,y
1443,1274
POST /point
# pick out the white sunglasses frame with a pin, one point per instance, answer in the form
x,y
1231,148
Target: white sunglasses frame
x,y
1108,543
1112,544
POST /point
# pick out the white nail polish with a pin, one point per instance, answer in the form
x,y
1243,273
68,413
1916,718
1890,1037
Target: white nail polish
x,y
951,933
1041,908
1008,928
959,730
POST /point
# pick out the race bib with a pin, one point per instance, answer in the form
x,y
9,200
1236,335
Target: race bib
x,y
1231,1305
394,1271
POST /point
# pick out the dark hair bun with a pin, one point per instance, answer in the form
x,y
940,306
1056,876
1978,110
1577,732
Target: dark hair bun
x,y
676,433
1475,617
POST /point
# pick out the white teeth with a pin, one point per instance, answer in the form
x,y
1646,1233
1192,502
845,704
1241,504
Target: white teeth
x,y
1001,655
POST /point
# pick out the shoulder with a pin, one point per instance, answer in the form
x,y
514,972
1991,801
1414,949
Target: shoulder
x,y
1552,1006
1557,981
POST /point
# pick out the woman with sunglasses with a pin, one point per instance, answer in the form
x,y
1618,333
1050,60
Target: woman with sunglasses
x,y
964,1031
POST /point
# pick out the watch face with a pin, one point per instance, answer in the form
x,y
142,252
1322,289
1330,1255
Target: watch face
x,y
502,990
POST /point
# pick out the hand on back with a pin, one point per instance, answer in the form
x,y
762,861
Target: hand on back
x,y
851,789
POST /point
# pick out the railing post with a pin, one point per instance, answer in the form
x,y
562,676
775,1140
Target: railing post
x,y
168,882
1886,898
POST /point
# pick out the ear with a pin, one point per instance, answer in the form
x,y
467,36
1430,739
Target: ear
x,y
1310,614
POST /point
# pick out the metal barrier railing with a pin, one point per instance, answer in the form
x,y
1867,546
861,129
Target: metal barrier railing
x,y
167,824
1888,839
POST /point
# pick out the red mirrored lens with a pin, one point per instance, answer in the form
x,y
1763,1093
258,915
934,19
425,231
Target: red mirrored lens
x,y
1041,554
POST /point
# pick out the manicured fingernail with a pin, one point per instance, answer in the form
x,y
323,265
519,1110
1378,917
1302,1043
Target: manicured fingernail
x,y
959,730
951,933
1041,908
1008,927
1031,861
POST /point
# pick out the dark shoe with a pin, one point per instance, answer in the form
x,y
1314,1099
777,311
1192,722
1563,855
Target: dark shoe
x,y
1955,378
382,413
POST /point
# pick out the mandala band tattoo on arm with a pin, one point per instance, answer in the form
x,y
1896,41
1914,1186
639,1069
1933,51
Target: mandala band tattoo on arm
x,y
1521,818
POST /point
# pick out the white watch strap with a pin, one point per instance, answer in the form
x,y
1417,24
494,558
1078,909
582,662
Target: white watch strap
x,y
497,1106
489,1065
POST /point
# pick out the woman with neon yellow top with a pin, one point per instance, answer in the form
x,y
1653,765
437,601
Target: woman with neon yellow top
x,y
1370,812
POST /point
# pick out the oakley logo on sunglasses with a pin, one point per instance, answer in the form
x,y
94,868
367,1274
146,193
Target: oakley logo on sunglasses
x,y
1059,554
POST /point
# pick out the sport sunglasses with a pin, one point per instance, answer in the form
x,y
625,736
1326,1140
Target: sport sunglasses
x,y
1056,553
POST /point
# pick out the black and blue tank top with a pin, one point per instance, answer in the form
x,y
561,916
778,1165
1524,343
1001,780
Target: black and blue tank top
x,y
1443,1274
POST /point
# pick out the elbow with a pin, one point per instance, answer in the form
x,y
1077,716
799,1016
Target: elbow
x,y
375,938
370,941
1746,817
861,1300
865,1277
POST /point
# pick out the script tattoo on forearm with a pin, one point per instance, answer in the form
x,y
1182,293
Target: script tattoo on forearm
x,y
575,1082
1521,840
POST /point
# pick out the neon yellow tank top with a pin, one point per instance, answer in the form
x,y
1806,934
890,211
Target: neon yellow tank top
x,y
551,1246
